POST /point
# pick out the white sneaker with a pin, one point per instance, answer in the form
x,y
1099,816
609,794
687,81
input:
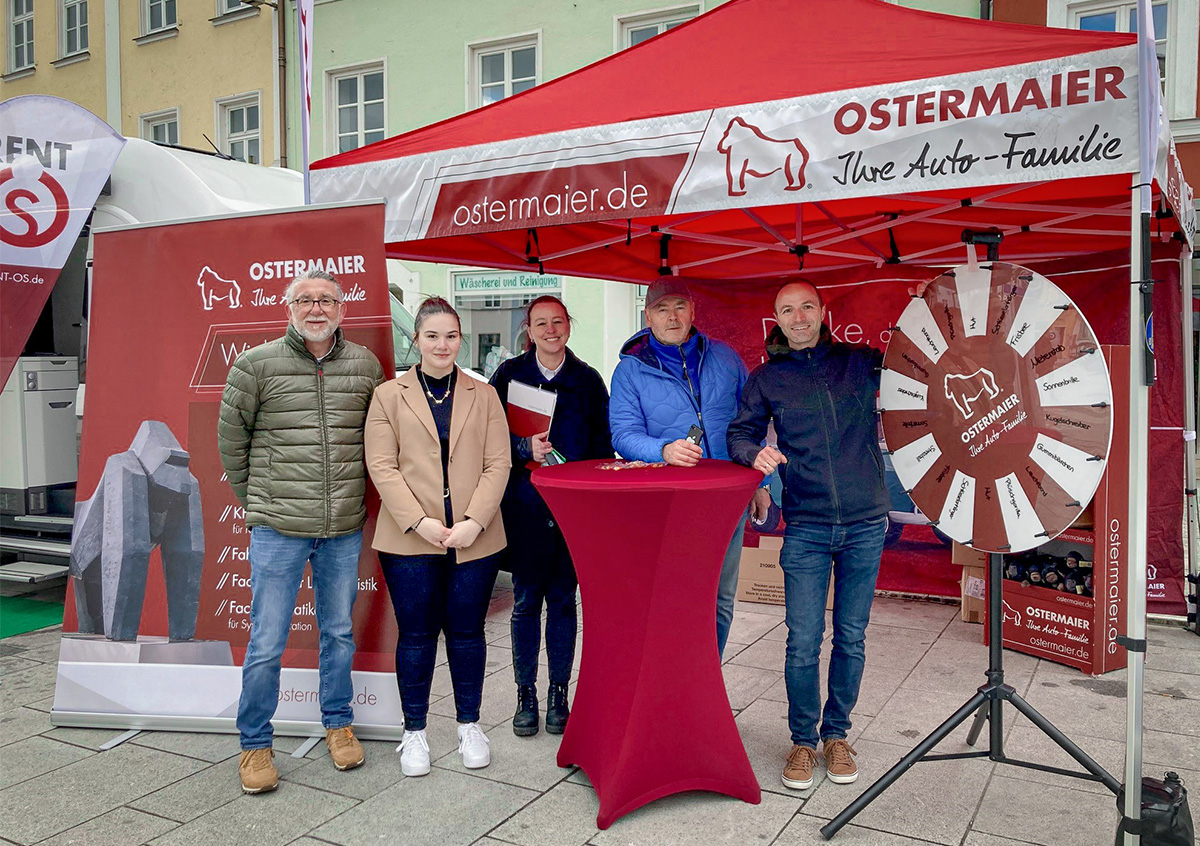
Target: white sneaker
x,y
414,753
473,746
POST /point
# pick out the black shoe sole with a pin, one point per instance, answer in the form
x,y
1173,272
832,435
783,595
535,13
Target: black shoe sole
x,y
555,729
528,731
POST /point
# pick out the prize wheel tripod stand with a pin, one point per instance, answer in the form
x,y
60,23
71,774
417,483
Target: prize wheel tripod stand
x,y
988,706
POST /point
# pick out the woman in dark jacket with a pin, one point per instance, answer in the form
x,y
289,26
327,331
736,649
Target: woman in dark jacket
x,y
541,566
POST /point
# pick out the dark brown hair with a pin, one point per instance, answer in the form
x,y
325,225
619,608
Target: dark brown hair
x,y
432,306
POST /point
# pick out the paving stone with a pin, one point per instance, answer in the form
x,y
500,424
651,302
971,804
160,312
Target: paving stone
x,y
1027,743
702,819
960,630
927,802
266,819
1178,660
1177,685
1180,714
958,667
805,830
1044,814
49,636
766,608
978,838
496,706
1077,704
380,770
779,632
909,716
206,747
528,762
21,687
895,647
35,756
119,827
749,626
563,816
16,663
86,738
1175,749
1172,636
911,614
16,724
206,790
765,654
745,684
441,809
52,803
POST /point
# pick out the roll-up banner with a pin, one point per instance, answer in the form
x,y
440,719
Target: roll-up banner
x,y
55,159
158,606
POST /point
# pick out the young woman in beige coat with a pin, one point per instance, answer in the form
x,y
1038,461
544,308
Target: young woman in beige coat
x,y
437,449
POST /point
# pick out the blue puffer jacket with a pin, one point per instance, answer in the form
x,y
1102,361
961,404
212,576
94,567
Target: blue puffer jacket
x,y
650,406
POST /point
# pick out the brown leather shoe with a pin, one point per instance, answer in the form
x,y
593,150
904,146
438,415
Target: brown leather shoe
x,y
344,748
798,772
839,761
257,770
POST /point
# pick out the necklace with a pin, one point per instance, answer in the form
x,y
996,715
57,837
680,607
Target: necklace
x,y
429,393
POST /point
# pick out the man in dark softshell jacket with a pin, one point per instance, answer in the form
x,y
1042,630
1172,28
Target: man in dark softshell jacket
x,y
821,396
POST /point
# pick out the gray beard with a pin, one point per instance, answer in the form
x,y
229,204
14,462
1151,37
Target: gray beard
x,y
316,336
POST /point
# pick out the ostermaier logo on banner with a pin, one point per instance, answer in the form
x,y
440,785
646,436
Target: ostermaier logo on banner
x,y
54,160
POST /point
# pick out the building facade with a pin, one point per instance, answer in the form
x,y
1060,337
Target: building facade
x,y
174,71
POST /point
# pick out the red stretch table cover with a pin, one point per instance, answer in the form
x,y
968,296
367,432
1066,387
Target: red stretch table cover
x,y
651,716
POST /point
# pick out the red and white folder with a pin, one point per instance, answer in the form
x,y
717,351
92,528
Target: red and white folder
x,y
530,409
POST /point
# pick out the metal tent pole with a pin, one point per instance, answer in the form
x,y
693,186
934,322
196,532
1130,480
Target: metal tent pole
x,y
1140,375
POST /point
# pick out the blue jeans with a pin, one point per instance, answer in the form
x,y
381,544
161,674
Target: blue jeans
x,y
809,549
727,586
276,568
432,594
554,584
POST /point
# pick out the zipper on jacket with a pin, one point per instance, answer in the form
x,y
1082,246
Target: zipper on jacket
x,y
692,393
324,446
837,505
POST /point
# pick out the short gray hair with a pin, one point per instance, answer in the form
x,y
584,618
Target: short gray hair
x,y
310,275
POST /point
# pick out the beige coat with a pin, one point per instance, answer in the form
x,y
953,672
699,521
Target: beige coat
x,y
404,459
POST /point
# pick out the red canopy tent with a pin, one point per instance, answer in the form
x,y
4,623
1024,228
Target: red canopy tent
x,y
891,131
833,136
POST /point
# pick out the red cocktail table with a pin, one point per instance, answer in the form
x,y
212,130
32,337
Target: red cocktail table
x,y
651,716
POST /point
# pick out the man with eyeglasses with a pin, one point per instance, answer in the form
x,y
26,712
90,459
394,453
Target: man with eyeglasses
x,y
291,440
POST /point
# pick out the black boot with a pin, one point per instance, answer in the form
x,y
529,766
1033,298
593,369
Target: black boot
x,y
557,711
525,721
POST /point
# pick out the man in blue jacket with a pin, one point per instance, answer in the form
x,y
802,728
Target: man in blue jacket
x,y
671,377
821,395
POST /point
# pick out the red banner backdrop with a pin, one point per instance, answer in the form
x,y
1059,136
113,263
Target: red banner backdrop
x,y
864,304
172,307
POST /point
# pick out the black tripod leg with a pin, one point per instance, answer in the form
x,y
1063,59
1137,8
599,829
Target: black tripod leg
x,y
902,766
977,726
1051,731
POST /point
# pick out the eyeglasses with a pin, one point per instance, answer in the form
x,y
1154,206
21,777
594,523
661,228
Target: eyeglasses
x,y
326,302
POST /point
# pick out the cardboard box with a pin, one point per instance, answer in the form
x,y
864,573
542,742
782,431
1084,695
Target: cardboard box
x,y
760,578
967,557
974,593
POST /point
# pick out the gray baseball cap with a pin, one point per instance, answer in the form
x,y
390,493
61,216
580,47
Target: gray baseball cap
x,y
667,286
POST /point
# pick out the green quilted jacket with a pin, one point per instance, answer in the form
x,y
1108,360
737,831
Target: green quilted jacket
x,y
291,435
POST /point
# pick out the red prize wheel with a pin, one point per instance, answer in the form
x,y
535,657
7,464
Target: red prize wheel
x,y
996,407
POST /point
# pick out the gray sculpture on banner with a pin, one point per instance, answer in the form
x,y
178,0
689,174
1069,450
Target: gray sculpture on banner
x,y
147,497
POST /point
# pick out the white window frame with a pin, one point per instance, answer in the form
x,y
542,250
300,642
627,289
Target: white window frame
x,y
63,51
25,21
1183,25
166,27
148,121
229,7
332,75
223,107
623,25
477,49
